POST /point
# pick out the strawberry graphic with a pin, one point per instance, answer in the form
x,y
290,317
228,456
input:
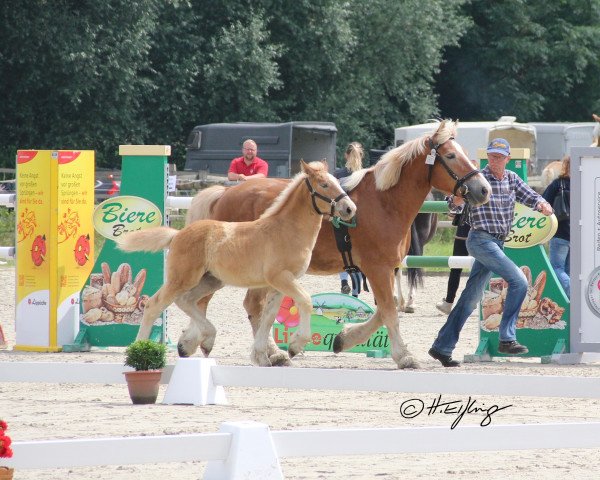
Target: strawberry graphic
x,y
38,250
82,249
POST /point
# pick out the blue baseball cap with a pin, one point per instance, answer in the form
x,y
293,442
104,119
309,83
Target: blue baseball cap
x,y
499,145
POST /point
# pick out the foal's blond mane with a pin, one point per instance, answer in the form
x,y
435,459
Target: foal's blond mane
x,y
282,198
388,169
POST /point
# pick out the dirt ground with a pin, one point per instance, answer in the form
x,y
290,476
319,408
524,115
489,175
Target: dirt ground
x,y
50,411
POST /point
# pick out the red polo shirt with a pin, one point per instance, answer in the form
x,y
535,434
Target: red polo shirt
x,y
258,165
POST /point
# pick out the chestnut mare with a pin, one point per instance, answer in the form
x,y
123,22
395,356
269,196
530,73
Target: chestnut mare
x,y
273,252
388,196
553,169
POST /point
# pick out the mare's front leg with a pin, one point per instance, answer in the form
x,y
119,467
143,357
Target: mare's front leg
x,y
262,334
382,279
412,293
254,304
399,300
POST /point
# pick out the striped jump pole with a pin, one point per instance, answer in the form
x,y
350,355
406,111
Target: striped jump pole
x,y
417,261
434,206
430,206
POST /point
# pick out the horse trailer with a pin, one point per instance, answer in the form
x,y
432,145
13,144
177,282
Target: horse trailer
x,y
556,139
477,135
210,148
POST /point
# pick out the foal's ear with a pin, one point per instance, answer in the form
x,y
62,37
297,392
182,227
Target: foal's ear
x,y
303,166
324,162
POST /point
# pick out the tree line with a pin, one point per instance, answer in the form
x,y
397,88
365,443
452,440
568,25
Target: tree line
x,y
92,75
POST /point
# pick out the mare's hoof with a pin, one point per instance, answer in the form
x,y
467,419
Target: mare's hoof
x,y
182,353
338,344
409,310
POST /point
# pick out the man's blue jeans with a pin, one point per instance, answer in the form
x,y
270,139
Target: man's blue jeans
x,y
560,256
489,258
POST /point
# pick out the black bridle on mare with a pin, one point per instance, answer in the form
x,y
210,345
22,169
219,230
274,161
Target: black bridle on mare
x,y
460,182
332,202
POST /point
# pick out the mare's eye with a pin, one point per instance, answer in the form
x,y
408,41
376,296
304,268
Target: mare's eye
x,y
451,156
325,185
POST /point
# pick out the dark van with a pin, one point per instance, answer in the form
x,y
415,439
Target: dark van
x,y
210,148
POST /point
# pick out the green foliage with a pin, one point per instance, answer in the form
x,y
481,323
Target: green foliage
x,y
146,355
95,75
7,226
441,244
534,59
241,70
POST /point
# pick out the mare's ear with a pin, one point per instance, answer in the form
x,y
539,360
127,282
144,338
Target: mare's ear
x,y
304,166
324,162
595,117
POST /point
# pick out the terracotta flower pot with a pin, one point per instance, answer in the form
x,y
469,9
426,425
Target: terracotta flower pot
x,y
6,473
143,385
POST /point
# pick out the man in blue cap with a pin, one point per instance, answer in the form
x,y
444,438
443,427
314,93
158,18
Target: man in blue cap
x,y
490,224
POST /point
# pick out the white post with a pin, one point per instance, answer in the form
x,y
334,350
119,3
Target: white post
x,y
252,454
192,384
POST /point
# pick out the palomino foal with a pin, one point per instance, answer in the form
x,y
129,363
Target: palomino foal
x,y
273,252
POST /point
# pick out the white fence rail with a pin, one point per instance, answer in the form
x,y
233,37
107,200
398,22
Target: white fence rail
x,y
250,450
321,379
223,449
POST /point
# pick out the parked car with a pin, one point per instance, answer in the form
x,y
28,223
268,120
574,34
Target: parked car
x,y
106,186
8,186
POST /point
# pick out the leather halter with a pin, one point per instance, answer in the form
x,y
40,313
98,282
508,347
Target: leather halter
x,y
460,182
314,193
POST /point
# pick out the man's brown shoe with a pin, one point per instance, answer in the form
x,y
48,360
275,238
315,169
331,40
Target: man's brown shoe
x,y
512,348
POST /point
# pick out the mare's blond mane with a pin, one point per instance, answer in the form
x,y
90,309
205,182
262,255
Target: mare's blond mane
x,y
389,167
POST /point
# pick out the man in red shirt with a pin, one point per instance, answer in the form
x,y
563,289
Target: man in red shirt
x,y
249,165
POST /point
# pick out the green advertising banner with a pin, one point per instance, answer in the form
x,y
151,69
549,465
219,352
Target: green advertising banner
x,y
113,300
331,311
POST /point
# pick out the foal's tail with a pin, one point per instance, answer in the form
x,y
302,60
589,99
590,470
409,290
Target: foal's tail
x,y
202,204
150,240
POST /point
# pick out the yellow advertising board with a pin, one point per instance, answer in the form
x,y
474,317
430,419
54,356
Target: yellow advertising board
x,y
55,245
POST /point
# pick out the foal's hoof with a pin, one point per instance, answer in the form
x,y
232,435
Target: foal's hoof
x,y
260,360
292,352
280,359
409,310
182,353
408,362
338,344
205,350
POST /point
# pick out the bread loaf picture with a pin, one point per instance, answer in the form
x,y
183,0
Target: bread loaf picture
x,y
114,297
537,312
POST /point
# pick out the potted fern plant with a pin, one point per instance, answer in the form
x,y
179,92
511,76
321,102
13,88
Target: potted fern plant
x,y
148,358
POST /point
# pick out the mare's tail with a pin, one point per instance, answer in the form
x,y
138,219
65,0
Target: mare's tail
x,y
203,203
150,240
415,275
